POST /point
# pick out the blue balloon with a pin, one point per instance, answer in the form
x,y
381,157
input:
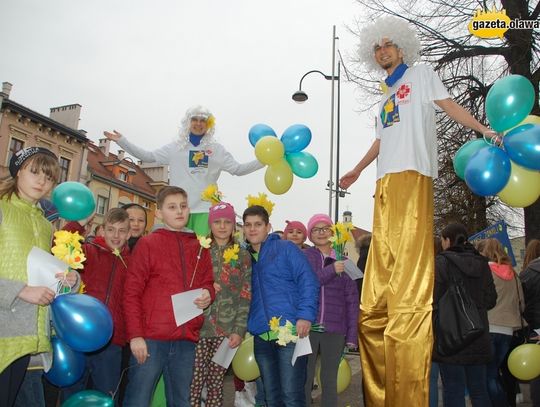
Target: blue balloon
x,y
488,171
89,398
295,138
522,145
73,200
303,164
82,321
67,366
509,101
259,131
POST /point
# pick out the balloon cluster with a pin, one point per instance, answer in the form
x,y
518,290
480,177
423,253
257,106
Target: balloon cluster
x,y
284,156
82,324
509,170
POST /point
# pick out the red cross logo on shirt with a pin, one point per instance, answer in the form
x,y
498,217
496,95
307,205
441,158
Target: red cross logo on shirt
x,y
403,91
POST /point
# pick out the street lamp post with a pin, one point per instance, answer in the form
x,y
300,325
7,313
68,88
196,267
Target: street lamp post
x,y
300,96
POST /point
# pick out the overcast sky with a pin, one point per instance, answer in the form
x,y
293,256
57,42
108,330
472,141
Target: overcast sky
x,y
136,66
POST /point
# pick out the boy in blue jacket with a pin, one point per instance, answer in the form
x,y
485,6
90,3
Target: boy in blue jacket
x,y
283,286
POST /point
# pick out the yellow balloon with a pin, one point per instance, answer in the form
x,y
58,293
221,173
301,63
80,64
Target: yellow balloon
x,y
269,150
244,364
278,177
523,187
524,361
530,119
344,375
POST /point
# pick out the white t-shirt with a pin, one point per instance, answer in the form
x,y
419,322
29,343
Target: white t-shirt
x,y
193,168
406,123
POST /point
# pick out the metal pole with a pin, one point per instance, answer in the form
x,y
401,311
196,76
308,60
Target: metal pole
x,y
330,182
338,108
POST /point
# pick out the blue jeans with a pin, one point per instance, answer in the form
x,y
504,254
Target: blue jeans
x,y
173,359
104,366
501,344
260,397
31,392
283,383
434,385
457,378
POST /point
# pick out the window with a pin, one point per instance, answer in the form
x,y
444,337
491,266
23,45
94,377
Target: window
x,y
102,205
64,169
122,176
14,146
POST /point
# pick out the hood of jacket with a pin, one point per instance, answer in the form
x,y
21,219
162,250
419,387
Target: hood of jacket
x,y
503,271
535,265
467,259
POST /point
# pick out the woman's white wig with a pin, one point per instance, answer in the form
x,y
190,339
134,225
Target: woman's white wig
x,y
185,125
395,29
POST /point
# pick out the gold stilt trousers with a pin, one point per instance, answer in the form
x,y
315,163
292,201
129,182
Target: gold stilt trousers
x,y
395,320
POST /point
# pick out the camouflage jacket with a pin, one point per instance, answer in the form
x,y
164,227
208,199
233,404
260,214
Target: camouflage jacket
x,y
228,313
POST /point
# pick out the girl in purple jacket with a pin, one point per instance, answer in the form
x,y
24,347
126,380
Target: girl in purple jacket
x,y
338,310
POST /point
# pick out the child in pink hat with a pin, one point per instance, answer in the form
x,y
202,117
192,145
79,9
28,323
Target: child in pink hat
x,y
296,232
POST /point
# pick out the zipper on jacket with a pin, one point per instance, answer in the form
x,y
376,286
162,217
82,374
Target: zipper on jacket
x,y
109,285
183,265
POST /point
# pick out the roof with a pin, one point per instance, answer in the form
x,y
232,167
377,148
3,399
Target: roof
x,y
139,184
39,118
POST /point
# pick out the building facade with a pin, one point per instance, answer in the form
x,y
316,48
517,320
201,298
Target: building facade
x,y
22,127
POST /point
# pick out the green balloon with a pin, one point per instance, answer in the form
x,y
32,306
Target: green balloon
x,y
464,154
89,398
509,101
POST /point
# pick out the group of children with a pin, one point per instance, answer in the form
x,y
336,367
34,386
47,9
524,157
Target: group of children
x,y
243,286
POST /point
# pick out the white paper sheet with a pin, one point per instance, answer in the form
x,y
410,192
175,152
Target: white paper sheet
x,y
41,267
303,347
353,272
183,306
224,354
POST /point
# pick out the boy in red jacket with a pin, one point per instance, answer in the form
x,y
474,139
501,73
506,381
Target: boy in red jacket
x,y
104,276
168,261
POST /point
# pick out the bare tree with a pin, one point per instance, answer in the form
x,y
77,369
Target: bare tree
x,y
468,66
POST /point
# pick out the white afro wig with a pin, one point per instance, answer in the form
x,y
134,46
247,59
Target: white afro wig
x,y
393,28
185,125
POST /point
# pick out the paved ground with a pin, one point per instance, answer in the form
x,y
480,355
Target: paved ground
x,y
352,396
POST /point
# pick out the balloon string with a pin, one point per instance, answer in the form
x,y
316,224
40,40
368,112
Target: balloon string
x,y
62,287
113,394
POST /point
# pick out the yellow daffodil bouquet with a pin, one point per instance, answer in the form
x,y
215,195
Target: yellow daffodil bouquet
x,y
204,243
284,333
342,235
212,194
261,200
67,247
230,255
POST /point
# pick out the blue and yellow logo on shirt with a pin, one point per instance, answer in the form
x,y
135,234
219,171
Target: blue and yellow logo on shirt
x,y
390,112
198,159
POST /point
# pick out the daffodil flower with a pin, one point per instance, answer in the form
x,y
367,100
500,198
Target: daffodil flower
x,y
230,255
285,333
204,241
274,323
67,247
116,252
261,200
212,194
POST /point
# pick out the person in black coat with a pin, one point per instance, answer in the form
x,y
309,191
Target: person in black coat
x,y
466,369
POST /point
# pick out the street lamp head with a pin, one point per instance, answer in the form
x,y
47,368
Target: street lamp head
x,y
300,96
